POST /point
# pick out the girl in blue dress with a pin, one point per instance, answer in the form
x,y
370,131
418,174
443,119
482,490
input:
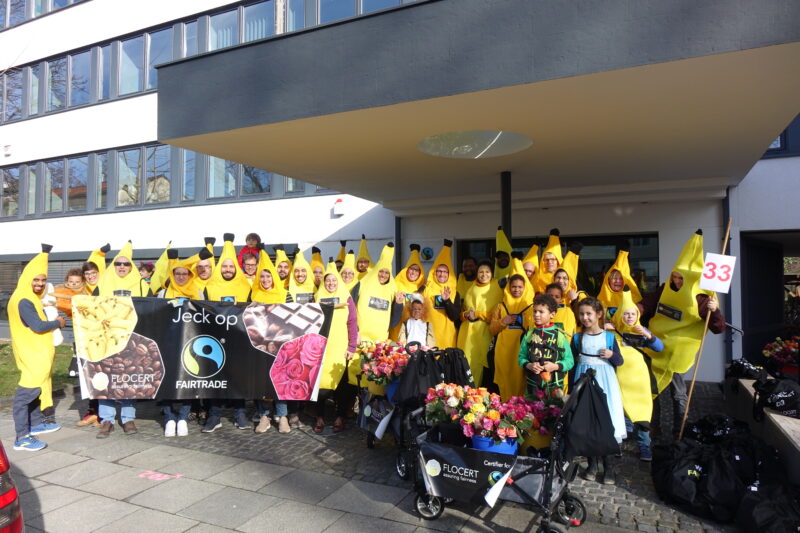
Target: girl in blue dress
x,y
598,349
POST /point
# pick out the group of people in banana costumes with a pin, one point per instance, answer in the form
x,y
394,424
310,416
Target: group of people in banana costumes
x,y
518,319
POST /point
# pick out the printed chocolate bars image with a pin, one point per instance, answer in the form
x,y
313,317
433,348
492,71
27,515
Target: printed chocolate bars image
x,y
269,326
135,373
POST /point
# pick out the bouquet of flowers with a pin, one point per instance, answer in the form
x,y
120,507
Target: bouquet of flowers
x,y
546,410
783,351
444,403
382,362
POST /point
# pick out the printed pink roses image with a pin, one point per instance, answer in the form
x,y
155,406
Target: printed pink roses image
x,y
296,368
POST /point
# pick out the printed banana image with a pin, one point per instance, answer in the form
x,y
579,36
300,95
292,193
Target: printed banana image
x,y
102,325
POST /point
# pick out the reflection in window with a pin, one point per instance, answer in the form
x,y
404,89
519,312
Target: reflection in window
x,y
255,180
101,180
9,195
189,170
157,174
78,180
58,4
79,79
54,186
295,15
2,14
294,185
33,104
221,178
259,21
128,172
56,84
16,12
330,10
33,179
190,39
130,66
105,72
374,5
223,30
13,96
39,7
160,52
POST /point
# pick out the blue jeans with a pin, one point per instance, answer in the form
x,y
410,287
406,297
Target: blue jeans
x,y
642,436
281,408
215,408
108,410
169,412
26,410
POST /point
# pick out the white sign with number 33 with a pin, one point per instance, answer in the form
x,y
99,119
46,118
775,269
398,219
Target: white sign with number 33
x,y
718,272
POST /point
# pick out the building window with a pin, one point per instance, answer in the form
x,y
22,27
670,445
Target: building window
x,y
160,51
33,180
56,84
189,173
259,21
101,180
78,181
221,178
80,77
223,30
9,194
39,7
54,186
255,180
190,39
104,75
331,10
130,66
368,6
295,15
295,186
129,169
13,94
16,12
33,101
58,4
157,174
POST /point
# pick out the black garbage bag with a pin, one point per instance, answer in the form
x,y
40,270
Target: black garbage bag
x,y
780,395
720,488
588,427
422,372
769,509
744,369
715,428
677,471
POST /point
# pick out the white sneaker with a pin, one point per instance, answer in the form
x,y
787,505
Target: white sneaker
x,y
169,428
183,428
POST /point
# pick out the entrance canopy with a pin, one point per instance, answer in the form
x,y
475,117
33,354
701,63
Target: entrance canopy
x,y
646,101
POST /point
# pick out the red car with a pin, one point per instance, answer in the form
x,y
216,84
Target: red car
x,y
10,510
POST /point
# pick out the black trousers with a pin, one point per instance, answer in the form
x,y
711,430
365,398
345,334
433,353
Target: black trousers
x,y
343,396
678,397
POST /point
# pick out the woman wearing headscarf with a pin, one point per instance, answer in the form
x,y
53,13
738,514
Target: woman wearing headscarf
x,y
473,335
339,350
442,303
409,280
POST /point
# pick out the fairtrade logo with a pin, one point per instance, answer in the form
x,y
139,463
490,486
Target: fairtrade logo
x,y
433,468
426,253
203,357
494,477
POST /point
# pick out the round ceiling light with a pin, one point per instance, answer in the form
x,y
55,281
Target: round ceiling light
x,y
475,144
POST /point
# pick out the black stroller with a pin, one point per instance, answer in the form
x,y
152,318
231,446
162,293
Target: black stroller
x,y
444,472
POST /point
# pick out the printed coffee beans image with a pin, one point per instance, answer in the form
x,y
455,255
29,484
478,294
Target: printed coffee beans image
x,y
270,326
135,373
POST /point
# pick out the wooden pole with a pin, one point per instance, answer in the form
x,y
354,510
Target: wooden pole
x,y
702,342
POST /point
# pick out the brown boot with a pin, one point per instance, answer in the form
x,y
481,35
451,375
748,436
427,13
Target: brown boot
x,y
129,428
105,430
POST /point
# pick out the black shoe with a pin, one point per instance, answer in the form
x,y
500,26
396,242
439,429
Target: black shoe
x,y
212,425
609,476
590,474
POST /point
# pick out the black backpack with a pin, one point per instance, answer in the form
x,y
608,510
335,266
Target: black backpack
x,y
780,395
588,428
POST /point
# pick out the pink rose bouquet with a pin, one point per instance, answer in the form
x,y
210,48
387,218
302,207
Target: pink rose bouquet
x,y
382,362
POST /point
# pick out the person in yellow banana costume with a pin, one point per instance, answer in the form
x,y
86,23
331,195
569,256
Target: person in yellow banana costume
x,y
552,260
510,319
442,303
339,350
182,276
410,280
227,282
94,268
204,267
473,335
160,277
317,266
340,257
676,313
502,255
32,344
617,277
469,270
348,271
530,262
282,265
301,282
363,261
123,279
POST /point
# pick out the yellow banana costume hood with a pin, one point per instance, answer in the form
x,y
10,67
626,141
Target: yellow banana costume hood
x,y
218,288
363,253
33,352
633,376
98,258
508,375
611,300
404,285
502,245
542,276
275,295
474,337
189,289
677,322
532,257
334,364
316,262
160,270
301,292
281,257
342,252
444,330
350,263
209,244
132,282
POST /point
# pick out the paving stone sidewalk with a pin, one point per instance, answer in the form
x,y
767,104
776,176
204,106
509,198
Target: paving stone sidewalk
x,y
235,480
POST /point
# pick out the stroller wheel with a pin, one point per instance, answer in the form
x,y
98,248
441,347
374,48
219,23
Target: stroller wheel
x,y
570,511
429,507
401,465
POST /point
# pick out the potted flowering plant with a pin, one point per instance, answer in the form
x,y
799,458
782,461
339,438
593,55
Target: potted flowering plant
x,y
784,354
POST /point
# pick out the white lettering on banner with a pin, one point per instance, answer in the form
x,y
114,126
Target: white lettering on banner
x,y
718,273
202,317
497,464
132,378
202,384
460,471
